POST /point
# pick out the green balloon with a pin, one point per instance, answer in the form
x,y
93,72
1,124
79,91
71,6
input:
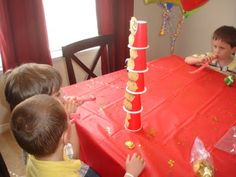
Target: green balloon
x,y
189,13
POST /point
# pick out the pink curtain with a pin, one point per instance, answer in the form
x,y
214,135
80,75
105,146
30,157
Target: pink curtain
x,y
113,17
23,34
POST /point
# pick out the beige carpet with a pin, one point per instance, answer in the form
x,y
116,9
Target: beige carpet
x,y
12,155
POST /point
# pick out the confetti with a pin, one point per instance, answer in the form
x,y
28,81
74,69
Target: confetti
x,y
203,168
130,144
171,163
229,80
151,133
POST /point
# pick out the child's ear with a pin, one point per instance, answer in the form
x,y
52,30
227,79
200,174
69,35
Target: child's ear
x,y
234,50
67,134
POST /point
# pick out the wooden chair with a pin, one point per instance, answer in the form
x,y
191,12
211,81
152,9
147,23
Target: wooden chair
x,y
104,42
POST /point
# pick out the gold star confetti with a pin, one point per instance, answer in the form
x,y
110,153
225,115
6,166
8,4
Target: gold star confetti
x,y
151,133
203,168
171,163
129,144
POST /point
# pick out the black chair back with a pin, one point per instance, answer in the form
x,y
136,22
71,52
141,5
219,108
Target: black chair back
x,y
104,42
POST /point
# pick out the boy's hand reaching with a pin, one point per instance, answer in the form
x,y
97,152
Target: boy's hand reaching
x,y
200,59
207,58
134,165
71,103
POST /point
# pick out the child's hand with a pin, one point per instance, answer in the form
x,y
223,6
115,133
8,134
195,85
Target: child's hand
x,y
200,59
134,165
71,104
207,58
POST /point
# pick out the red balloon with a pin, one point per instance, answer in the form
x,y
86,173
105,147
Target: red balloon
x,y
189,5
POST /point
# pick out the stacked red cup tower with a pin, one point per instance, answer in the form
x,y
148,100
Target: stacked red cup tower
x,y
136,66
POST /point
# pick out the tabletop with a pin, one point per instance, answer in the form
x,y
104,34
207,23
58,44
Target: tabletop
x,y
177,108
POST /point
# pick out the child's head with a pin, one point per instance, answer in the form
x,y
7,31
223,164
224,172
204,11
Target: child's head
x,y
38,124
31,79
224,42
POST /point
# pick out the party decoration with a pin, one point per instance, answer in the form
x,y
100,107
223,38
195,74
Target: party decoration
x,y
129,144
165,20
172,22
173,15
201,160
190,13
176,34
227,142
190,5
171,163
200,68
151,133
176,2
136,66
203,168
150,1
229,80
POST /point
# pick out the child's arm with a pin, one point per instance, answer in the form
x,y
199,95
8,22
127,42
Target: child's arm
x,y
134,165
71,103
199,59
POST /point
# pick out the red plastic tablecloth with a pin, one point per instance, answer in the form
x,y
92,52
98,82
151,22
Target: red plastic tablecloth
x,y
178,107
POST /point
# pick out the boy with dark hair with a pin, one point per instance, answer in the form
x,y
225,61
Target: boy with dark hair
x,y
41,127
31,79
223,51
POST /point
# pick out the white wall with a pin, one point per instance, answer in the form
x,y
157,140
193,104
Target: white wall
x,y
196,31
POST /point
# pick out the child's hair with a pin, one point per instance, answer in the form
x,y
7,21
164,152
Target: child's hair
x,y
30,79
226,34
38,124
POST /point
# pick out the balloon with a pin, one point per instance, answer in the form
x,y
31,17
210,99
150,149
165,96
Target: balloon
x,y
169,5
176,2
150,1
189,5
189,13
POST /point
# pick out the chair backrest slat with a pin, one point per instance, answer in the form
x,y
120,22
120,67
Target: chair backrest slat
x,y
103,41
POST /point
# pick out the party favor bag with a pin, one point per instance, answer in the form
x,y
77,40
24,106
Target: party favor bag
x,y
227,143
201,160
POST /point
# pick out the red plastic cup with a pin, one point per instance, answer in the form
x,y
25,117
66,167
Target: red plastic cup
x,y
132,102
140,37
139,57
140,61
133,122
136,82
130,63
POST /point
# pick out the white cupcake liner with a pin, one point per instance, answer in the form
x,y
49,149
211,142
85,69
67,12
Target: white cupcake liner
x,y
137,71
136,93
138,48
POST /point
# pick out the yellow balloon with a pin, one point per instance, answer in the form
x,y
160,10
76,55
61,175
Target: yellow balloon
x,y
176,2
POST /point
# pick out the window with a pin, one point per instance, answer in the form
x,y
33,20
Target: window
x,y
69,21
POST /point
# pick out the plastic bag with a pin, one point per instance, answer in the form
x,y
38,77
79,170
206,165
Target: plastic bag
x,y
228,142
201,160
